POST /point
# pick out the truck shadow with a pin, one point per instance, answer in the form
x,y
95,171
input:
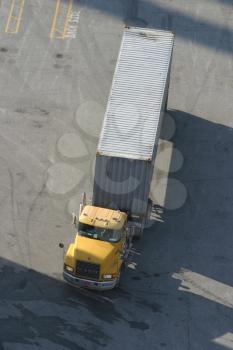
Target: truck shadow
x,y
179,291
36,308
187,255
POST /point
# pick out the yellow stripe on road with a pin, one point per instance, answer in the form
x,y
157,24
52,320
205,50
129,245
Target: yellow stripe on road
x,y
61,19
15,16
53,29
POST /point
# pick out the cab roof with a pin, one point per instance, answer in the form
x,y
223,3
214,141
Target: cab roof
x,y
101,217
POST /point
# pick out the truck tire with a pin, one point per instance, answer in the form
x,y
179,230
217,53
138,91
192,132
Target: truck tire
x,y
139,232
118,281
149,210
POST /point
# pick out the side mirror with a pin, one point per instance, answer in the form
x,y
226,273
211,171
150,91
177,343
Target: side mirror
x,y
74,219
61,245
121,254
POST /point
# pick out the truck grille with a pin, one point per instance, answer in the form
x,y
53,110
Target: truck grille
x,y
86,269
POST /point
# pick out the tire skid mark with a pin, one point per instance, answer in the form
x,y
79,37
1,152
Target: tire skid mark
x,y
28,221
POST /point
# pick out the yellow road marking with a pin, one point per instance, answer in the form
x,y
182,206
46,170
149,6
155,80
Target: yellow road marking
x,y
15,16
55,19
68,14
56,32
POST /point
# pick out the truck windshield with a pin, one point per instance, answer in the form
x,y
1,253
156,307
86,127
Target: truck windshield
x,y
99,233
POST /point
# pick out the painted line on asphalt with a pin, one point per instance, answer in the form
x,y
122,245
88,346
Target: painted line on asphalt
x,y
61,19
15,16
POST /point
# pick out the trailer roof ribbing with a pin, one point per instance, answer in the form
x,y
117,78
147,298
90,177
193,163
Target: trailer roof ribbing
x,y
131,123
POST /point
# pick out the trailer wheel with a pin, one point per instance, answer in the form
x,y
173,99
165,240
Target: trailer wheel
x,y
149,210
118,281
138,234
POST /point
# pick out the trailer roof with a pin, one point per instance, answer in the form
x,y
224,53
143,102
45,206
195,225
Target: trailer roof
x,y
131,122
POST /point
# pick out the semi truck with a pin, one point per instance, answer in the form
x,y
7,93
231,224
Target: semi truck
x,y
125,157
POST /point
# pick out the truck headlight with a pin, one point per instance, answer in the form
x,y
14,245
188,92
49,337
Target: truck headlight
x,y
69,268
107,276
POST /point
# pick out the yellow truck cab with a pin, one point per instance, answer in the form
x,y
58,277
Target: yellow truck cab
x,y
95,258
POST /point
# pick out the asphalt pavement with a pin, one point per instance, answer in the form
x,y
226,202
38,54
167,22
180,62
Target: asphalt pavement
x,y
57,59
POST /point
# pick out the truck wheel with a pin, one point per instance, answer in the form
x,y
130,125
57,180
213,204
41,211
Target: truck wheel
x,y
139,233
149,210
118,281
119,277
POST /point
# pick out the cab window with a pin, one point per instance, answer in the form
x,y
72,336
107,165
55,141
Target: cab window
x,y
99,233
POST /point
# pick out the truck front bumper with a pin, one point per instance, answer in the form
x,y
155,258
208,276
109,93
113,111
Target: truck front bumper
x,y
84,283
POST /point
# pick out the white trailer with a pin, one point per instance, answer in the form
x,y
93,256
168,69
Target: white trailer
x,y
128,142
